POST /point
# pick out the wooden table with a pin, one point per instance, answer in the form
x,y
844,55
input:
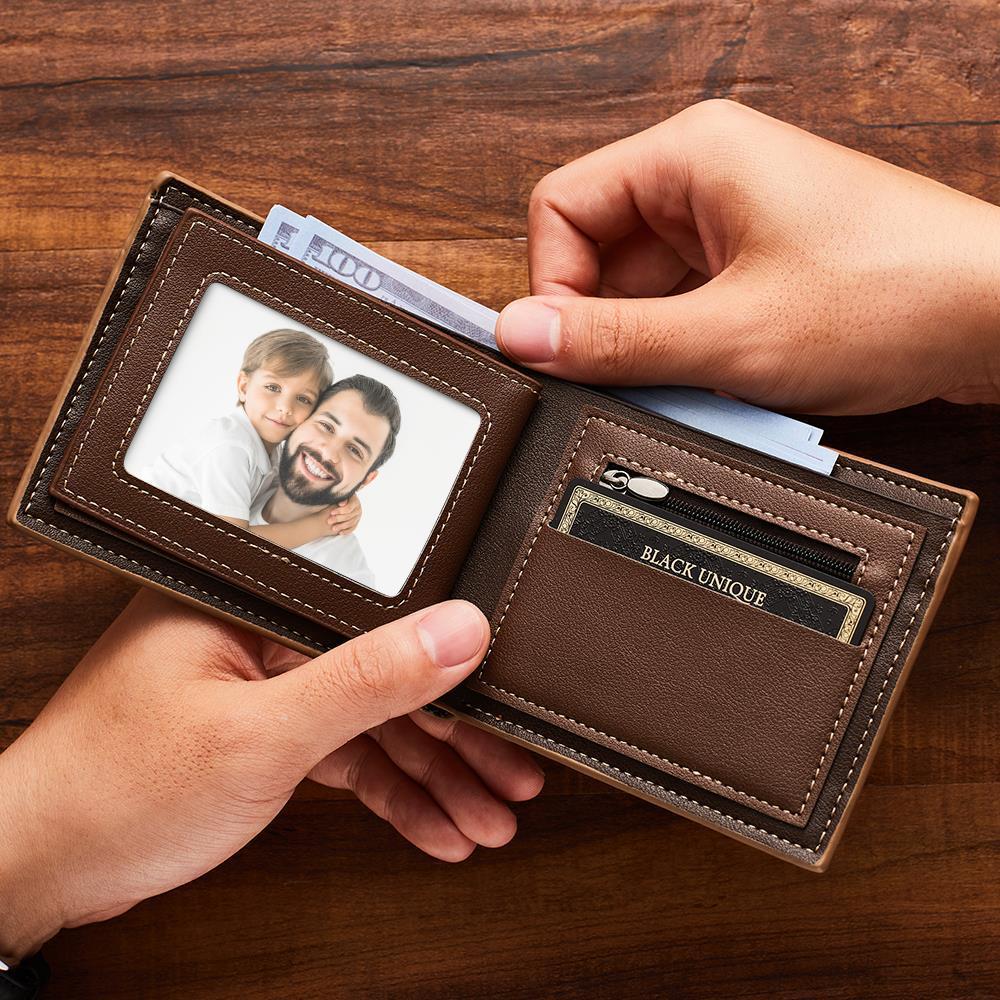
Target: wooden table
x,y
421,129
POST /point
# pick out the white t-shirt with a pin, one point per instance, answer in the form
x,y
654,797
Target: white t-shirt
x,y
220,468
341,553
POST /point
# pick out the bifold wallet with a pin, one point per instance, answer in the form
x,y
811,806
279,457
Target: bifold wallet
x,y
656,674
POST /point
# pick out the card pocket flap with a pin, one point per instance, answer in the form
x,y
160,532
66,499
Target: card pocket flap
x,y
728,697
724,696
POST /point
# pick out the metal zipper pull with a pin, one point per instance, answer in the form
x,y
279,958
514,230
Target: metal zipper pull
x,y
650,490
730,522
617,479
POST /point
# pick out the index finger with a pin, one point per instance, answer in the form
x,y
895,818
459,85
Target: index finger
x,y
603,197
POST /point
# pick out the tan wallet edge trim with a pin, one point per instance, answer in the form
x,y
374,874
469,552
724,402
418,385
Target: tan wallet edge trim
x,y
957,543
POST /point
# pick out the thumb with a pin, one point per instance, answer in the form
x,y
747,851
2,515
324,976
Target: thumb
x,y
383,674
693,338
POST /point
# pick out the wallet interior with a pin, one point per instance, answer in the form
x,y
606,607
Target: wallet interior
x,y
201,254
742,720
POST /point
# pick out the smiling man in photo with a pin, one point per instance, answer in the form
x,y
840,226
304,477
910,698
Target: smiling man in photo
x,y
331,455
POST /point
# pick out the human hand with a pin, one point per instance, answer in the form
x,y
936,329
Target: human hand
x,y
169,747
342,518
725,249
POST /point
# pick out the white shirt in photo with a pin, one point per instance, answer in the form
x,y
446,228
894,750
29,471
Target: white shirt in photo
x,y
220,468
341,553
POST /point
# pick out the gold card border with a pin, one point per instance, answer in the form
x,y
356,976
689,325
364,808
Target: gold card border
x,y
853,604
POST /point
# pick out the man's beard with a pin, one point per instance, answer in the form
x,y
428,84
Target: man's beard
x,y
302,490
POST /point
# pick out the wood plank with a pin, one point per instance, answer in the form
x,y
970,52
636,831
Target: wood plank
x,y
423,131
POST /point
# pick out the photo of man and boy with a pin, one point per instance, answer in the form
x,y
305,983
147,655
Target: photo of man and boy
x,y
335,435
287,462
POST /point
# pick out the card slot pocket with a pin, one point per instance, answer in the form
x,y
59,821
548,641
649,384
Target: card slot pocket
x,y
885,550
727,697
730,698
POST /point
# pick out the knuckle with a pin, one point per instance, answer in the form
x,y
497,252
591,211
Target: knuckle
x,y
364,671
720,134
354,775
610,346
394,802
719,112
433,766
542,190
545,195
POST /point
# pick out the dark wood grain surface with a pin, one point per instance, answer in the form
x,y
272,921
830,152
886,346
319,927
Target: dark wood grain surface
x,y
421,129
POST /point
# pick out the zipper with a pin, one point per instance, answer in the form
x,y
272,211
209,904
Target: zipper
x,y
745,527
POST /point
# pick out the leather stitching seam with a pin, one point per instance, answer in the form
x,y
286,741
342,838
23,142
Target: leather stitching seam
x,y
197,201
892,667
903,486
730,501
647,753
604,765
280,557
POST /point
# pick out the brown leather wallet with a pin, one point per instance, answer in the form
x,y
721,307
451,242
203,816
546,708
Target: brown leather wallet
x,y
740,719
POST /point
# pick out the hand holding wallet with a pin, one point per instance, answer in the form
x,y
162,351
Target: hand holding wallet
x,y
697,698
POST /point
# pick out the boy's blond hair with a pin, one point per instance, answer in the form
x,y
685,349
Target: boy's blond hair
x,y
288,352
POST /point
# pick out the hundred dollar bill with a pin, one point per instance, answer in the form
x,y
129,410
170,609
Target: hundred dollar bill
x,y
280,228
329,251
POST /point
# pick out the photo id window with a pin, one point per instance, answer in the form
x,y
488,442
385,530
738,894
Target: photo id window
x,y
299,440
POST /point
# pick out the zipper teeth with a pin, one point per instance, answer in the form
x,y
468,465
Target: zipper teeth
x,y
841,568
834,566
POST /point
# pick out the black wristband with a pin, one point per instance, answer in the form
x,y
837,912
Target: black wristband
x,y
24,981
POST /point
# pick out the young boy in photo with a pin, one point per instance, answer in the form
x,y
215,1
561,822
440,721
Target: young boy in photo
x,y
224,465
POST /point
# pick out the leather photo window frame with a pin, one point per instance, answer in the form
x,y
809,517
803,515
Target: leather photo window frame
x,y
204,251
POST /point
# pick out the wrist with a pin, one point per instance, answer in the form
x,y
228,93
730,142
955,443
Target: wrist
x,y
976,327
30,910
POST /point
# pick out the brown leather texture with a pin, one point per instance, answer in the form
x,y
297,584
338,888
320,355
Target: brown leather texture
x,y
938,516
204,251
669,695
735,699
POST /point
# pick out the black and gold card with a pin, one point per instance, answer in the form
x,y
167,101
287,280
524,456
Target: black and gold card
x,y
709,558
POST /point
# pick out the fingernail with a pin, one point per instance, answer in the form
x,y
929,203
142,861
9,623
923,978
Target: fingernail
x,y
451,633
529,331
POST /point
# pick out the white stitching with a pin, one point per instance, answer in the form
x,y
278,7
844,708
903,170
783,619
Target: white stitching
x,y
850,688
604,765
892,667
216,562
861,663
124,358
902,486
405,596
731,501
197,200
747,475
649,754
